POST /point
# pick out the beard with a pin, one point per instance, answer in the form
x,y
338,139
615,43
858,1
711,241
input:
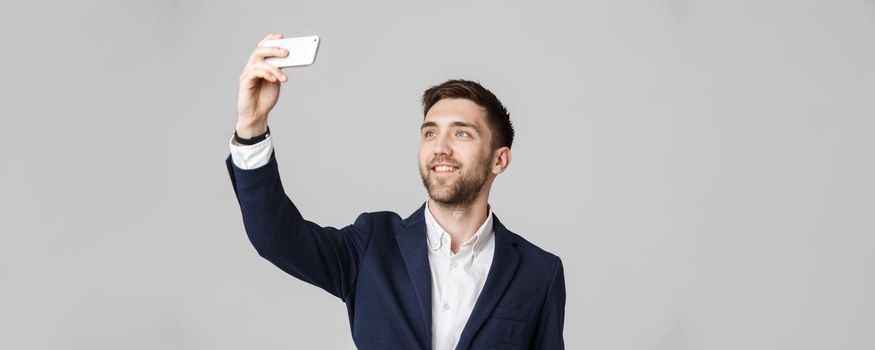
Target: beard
x,y
456,190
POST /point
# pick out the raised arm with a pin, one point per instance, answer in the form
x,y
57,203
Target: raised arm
x,y
323,256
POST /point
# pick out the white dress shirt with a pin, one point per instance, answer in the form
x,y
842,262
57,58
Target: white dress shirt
x,y
456,278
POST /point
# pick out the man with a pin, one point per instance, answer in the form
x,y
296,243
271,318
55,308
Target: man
x,y
449,276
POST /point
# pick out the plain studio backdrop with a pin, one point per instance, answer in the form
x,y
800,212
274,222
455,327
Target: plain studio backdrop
x,y
704,168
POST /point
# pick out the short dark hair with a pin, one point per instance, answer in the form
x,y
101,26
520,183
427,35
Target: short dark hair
x,y
496,115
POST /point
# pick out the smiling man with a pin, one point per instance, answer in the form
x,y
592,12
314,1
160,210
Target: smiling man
x,y
450,275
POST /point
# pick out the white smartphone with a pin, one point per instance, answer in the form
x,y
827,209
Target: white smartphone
x,y
302,51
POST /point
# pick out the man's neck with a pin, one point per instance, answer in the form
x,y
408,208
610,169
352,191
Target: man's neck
x,y
461,223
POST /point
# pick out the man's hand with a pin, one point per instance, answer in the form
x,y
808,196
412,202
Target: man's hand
x,y
259,89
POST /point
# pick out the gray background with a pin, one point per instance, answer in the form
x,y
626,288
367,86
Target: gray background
x,y
704,168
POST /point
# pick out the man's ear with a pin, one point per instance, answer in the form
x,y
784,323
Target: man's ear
x,y
502,160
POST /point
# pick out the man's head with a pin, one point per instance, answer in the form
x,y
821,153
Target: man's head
x,y
467,129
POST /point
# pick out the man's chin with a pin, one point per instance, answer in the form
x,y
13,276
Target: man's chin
x,y
438,195
442,197
441,180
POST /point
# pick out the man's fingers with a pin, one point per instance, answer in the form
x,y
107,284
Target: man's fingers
x,y
270,37
253,73
257,68
259,54
265,72
272,69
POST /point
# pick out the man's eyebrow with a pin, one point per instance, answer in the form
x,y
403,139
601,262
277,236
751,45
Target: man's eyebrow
x,y
466,125
456,123
427,124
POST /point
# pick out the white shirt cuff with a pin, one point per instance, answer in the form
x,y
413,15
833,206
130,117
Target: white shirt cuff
x,y
248,157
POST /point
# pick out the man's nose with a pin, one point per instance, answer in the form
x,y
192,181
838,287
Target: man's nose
x,y
442,145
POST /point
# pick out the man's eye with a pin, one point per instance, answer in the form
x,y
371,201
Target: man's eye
x,y
429,133
463,132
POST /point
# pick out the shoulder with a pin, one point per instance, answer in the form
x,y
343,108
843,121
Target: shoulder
x,y
386,221
535,259
530,249
538,274
384,215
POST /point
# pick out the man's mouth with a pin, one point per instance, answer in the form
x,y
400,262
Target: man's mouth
x,y
444,169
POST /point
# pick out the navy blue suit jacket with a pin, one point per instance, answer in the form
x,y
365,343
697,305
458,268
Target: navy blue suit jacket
x,y
379,267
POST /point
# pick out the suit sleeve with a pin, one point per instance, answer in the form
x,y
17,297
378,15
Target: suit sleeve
x,y
323,256
551,321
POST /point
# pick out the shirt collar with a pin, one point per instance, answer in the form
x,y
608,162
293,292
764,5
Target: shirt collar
x,y
437,236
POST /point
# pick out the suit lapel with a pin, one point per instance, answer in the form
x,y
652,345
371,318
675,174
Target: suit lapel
x,y
412,241
504,264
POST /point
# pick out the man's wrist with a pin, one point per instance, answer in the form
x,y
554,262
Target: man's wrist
x,y
250,131
247,141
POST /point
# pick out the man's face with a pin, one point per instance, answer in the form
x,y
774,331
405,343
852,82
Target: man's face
x,y
455,157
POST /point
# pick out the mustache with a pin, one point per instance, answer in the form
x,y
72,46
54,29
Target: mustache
x,y
447,161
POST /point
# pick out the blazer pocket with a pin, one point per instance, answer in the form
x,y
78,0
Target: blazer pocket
x,y
512,314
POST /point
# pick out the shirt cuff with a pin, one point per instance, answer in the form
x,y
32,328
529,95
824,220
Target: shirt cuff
x,y
248,157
